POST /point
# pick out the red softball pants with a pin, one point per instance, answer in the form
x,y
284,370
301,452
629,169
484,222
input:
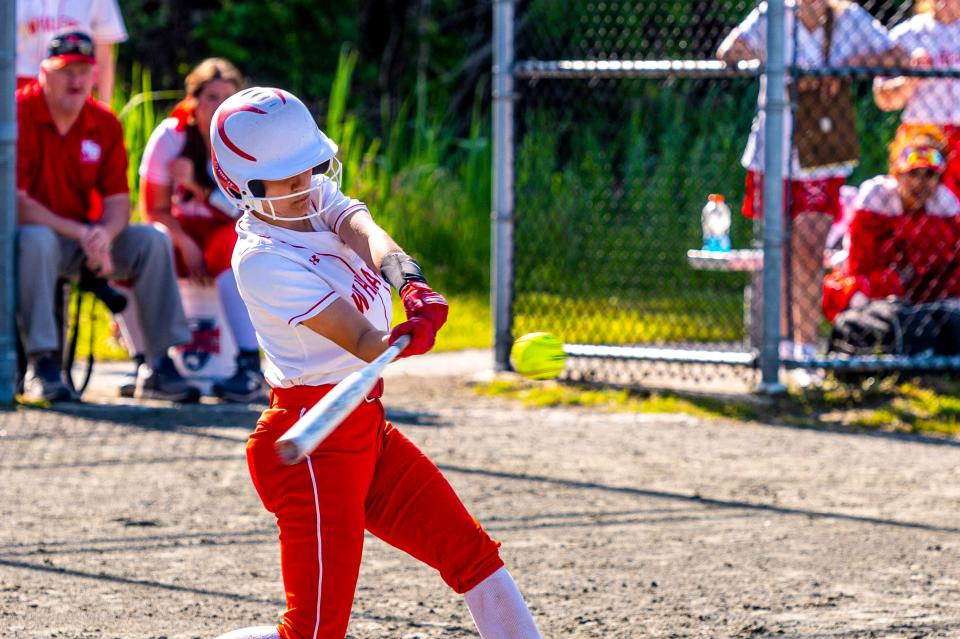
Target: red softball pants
x,y
365,475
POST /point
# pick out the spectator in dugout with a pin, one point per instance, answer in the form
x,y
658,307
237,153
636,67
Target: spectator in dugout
x,y
904,238
932,37
39,20
813,193
70,147
177,191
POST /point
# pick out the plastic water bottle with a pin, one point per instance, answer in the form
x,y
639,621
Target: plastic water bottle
x,y
716,224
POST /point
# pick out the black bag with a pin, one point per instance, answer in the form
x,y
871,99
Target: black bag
x,y
896,328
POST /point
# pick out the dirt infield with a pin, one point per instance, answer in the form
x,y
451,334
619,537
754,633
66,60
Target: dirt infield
x,y
133,522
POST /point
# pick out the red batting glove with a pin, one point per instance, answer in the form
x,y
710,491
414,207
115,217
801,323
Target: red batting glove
x,y
421,301
421,335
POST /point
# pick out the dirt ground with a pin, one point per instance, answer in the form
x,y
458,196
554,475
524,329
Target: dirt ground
x,y
130,522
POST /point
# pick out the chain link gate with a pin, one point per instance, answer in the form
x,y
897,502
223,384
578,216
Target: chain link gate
x,y
615,121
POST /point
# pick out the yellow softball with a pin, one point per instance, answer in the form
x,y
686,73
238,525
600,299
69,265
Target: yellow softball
x,y
538,356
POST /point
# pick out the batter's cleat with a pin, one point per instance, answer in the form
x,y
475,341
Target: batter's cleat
x,y
164,382
44,380
246,384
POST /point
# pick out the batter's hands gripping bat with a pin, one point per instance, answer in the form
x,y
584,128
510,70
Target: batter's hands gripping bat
x,y
318,422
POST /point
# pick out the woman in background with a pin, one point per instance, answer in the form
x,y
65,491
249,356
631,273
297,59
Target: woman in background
x,y
905,232
814,194
177,191
932,38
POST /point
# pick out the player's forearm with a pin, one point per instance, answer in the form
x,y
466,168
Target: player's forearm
x,y
372,344
367,239
30,211
163,216
893,94
733,49
105,72
343,325
116,214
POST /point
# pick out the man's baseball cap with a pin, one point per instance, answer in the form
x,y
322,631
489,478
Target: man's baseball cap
x,y
919,157
70,46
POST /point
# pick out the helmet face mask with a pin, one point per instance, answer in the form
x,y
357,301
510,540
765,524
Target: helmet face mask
x,y
329,171
264,134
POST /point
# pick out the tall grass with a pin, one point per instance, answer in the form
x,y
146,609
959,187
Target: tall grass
x,y
427,187
140,109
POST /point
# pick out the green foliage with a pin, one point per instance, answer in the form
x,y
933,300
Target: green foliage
x,y
607,208
427,187
293,44
140,109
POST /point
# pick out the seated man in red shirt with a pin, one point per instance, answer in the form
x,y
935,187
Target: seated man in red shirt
x,y
905,233
70,147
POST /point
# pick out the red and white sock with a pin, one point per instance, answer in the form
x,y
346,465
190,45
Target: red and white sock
x,y
498,609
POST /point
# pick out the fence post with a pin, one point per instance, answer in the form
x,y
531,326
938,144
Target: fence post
x,y
501,280
773,154
8,155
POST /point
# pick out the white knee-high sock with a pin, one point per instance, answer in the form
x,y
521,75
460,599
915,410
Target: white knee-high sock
x,y
260,632
498,609
236,311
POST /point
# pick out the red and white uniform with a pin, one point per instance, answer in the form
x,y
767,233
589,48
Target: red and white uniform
x,y
915,256
39,20
937,100
366,475
856,33
212,228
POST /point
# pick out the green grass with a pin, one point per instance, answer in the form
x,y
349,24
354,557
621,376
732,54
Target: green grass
x,y
547,394
695,316
919,406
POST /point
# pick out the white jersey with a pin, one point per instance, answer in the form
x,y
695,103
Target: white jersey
x,y
286,277
937,100
855,33
39,20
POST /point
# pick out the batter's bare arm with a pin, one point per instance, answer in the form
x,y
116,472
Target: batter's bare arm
x,y
342,324
367,239
345,326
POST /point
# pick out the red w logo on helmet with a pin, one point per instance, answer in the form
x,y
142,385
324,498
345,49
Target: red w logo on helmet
x,y
221,124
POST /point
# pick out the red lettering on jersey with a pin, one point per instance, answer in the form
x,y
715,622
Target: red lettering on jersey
x,y
374,281
365,286
359,300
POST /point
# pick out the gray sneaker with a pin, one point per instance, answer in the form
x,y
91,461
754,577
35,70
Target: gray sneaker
x,y
44,380
246,384
165,382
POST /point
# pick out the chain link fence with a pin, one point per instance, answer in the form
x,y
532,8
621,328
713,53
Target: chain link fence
x,y
627,116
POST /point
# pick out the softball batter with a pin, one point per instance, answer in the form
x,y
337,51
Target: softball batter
x,y
314,270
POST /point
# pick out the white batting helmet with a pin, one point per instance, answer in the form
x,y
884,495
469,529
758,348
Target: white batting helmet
x,y
268,134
